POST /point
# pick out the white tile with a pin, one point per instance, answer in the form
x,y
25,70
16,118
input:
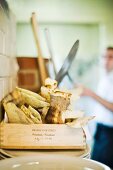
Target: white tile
x,y
2,41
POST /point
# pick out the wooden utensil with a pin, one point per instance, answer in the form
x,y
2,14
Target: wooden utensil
x,y
42,67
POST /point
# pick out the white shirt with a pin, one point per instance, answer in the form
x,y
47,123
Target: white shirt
x,y
105,90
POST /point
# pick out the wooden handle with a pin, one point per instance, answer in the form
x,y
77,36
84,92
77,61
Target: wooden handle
x,y
35,31
41,63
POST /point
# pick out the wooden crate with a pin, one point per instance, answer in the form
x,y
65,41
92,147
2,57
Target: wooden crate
x,y
41,136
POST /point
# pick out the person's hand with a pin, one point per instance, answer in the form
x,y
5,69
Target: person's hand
x,y
86,91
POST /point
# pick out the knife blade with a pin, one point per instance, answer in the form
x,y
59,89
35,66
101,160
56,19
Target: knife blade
x,y
67,63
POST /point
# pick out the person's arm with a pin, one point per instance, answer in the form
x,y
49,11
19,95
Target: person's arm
x,y
105,103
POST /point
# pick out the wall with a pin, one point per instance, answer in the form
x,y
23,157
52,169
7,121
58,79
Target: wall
x,y
88,20
8,65
62,38
67,11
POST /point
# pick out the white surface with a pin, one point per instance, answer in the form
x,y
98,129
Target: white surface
x,y
50,162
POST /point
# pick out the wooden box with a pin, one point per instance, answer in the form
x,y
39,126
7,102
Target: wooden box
x,y
41,136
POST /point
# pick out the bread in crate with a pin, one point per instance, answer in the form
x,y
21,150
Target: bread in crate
x,y
42,121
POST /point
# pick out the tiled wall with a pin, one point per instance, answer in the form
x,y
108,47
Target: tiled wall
x,y
7,32
8,64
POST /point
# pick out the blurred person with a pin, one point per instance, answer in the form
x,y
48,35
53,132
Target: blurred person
x,y
103,145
